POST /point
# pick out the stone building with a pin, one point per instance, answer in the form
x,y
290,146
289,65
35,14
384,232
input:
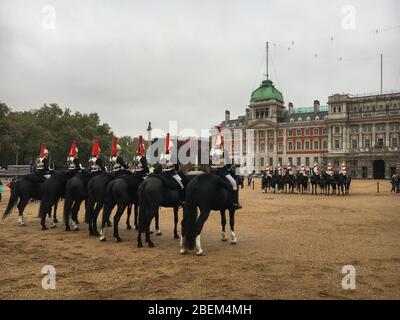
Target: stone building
x,y
361,130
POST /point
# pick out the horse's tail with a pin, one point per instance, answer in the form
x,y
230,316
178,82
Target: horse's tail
x,y
189,219
13,199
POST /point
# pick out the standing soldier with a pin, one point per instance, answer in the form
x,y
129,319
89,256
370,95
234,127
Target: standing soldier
x,y
329,169
42,165
73,163
95,162
219,167
117,164
141,167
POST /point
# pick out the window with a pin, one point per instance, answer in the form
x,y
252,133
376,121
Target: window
x,y
354,129
289,133
325,130
280,146
316,144
380,142
271,162
316,131
291,120
290,145
395,142
307,145
354,143
325,144
298,161
364,172
367,143
280,133
298,145
271,146
280,160
308,118
261,134
262,146
367,128
307,132
340,109
325,117
299,119
337,130
337,143
316,159
270,133
298,132
334,109
307,161
261,162
380,127
290,160
317,118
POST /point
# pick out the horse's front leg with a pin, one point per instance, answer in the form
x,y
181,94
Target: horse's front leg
x,y
157,218
129,210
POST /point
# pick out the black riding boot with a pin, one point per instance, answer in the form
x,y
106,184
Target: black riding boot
x,y
236,203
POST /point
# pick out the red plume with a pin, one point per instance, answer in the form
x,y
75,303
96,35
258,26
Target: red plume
x,y
114,147
73,151
140,147
220,138
167,144
41,155
96,148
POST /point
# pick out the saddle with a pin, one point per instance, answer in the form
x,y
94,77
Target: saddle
x,y
224,183
167,180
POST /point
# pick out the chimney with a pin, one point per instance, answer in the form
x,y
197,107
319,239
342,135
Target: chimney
x,y
290,107
316,106
227,116
247,113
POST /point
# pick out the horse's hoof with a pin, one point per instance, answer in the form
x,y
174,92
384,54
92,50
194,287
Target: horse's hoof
x,y
76,229
234,241
96,233
224,239
200,253
55,220
182,251
140,245
103,239
68,229
159,233
44,228
109,224
22,224
151,244
118,239
176,236
151,231
128,227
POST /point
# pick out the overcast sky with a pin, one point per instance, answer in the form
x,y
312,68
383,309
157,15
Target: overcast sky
x,y
139,61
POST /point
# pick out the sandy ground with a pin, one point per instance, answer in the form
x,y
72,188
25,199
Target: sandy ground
x,y
290,246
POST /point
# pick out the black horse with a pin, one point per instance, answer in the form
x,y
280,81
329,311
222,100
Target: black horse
x,y
266,182
52,190
301,182
289,182
205,192
315,182
277,181
22,191
75,194
157,191
121,192
96,192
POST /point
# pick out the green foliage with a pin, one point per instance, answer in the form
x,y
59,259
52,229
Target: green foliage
x,y
23,133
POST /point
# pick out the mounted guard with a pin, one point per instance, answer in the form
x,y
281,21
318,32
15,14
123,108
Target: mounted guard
x,y
268,171
289,169
303,170
343,169
95,162
315,169
73,163
329,169
42,164
141,167
117,164
220,168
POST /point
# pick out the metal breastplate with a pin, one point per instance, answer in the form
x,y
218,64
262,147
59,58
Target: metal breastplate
x,y
40,165
71,164
93,165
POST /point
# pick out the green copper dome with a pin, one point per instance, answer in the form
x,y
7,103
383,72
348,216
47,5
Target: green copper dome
x,y
266,91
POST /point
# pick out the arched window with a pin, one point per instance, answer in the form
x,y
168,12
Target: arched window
x,y
325,117
308,119
299,119
291,120
317,118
